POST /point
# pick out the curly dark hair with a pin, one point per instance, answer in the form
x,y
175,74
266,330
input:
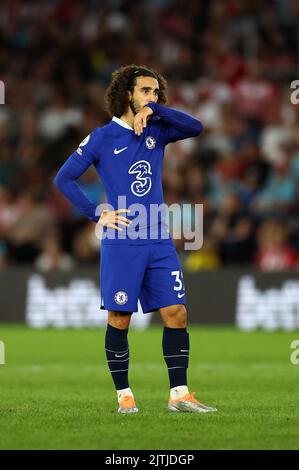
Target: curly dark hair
x,y
124,80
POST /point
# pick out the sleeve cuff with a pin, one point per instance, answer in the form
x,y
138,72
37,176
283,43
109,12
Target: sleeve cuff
x,y
153,106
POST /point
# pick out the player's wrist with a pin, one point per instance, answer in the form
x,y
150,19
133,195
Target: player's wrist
x,y
150,106
96,218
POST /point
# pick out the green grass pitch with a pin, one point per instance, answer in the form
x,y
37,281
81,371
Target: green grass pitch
x,y
56,392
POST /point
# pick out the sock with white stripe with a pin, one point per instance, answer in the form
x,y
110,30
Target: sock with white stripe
x,y
117,353
176,354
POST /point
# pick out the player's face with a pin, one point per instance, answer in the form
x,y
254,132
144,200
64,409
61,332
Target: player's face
x,y
145,91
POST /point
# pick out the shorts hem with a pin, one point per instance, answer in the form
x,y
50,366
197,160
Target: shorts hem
x,y
154,309
118,309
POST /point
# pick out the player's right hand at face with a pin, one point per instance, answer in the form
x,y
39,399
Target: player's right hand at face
x,y
141,118
111,218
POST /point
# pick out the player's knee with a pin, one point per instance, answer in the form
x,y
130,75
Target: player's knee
x,y
120,320
174,316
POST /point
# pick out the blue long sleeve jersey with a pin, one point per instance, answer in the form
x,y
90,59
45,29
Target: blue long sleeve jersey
x,y
129,166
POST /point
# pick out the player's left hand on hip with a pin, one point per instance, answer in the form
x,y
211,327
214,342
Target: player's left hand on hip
x,y
140,119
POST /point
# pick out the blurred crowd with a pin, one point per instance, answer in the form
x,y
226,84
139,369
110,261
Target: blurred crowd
x,y
230,63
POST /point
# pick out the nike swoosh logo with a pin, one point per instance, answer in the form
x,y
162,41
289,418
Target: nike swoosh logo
x,y
180,296
120,150
120,355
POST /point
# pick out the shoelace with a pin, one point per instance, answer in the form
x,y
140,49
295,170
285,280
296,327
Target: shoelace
x,y
191,397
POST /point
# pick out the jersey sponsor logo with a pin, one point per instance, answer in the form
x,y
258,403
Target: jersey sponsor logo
x,y
116,151
150,142
121,297
143,182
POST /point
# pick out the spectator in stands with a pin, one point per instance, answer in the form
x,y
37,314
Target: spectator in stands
x,y
204,259
274,251
52,257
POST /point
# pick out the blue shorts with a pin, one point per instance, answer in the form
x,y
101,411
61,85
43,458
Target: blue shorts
x,y
150,273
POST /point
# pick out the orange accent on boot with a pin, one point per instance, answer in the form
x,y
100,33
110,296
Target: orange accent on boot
x,y
187,397
127,402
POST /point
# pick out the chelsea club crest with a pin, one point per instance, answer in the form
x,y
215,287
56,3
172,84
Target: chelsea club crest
x,y
121,297
150,142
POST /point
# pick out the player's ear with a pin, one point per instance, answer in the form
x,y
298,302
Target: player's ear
x,y
130,95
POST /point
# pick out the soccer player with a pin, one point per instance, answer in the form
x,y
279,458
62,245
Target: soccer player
x,y
128,156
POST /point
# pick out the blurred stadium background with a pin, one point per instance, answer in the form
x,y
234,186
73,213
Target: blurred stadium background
x,y
230,63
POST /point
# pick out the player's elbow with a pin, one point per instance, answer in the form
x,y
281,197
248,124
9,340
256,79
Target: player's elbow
x,y
59,180
197,128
